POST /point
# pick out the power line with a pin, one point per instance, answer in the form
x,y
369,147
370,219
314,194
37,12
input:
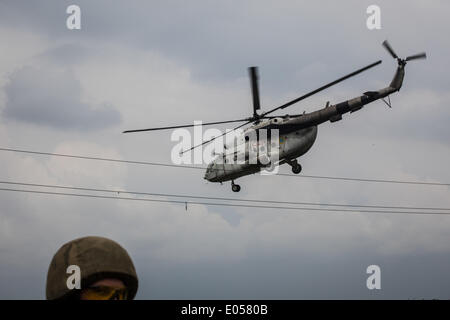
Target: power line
x,y
100,159
203,168
219,204
219,198
368,180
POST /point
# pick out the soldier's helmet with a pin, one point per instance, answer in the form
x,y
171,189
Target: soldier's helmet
x,y
98,258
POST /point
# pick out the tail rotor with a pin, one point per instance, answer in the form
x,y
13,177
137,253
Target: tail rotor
x,y
401,61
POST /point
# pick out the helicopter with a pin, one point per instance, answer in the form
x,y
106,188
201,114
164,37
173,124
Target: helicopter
x,y
297,132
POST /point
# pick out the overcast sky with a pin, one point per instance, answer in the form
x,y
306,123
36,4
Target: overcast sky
x,y
140,64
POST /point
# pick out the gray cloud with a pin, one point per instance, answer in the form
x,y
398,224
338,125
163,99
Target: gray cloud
x,y
169,63
220,41
65,55
52,97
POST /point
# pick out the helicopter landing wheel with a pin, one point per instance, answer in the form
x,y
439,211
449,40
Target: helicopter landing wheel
x,y
235,187
296,168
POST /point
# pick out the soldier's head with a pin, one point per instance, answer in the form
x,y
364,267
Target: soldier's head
x,y
91,268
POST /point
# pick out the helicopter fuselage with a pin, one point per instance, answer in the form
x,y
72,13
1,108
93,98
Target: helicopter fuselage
x,y
293,143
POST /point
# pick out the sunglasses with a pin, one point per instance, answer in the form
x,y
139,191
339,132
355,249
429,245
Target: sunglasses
x,y
105,293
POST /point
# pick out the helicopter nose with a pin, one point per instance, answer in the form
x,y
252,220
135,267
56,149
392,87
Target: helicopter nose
x,y
207,174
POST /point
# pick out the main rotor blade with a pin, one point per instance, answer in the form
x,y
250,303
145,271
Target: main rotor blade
x,y
422,55
321,88
185,126
253,73
388,47
212,139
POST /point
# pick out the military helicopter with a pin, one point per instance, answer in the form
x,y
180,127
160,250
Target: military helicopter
x,y
297,132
